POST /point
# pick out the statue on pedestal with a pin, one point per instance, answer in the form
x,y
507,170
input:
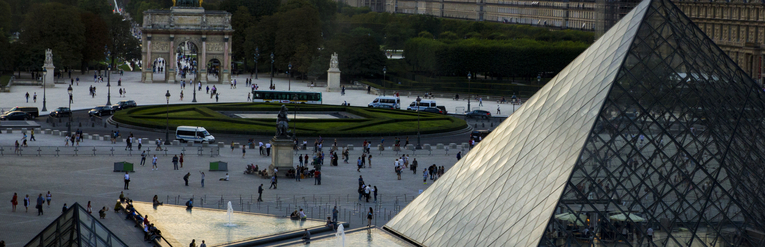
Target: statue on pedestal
x,y
48,57
282,124
333,61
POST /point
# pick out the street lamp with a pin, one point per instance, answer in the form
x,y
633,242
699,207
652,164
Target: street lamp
x,y
257,55
108,77
470,76
69,126
289,83
167,119
418,123
194,89
294,118
272,70
45,100
385,70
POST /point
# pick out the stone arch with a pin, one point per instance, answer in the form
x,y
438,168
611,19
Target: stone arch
x,y
214,68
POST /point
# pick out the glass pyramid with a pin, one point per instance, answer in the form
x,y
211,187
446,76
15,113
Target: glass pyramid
x,y
75,227
653,126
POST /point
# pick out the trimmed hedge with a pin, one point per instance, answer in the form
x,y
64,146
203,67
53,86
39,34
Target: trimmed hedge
x,y
375,121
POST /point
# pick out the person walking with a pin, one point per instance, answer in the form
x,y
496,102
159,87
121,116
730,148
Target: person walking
x,y
48,197
143,155
39,206
27,96
425,176
181,160
127,181
273,182
358,165
260,193
186,178
268,149
459,155
334,214
317,175
154,163
374,191
139,144
32,137
244,150
370,215
175,165
27,201
203,178
14,202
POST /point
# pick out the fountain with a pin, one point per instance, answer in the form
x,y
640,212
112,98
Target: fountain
x,y
229,213
340,235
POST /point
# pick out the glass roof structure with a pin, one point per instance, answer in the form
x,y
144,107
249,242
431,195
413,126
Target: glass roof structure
x,y
651,137
76,227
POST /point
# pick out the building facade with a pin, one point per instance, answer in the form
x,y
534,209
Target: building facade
x,y
737,27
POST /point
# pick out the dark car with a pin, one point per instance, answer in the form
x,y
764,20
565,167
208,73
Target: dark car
x,y
479,114
478,135
433,110
124,104
443,109
101,110
15,115
61,112
115,107
31,110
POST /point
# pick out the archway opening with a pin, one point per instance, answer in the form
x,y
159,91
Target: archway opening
x,y
158,68
213,70
186,57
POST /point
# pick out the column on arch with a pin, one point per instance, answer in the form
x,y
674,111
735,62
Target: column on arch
x,y
203,62
226,63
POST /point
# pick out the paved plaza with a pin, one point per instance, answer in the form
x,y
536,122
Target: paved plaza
x,y
86,178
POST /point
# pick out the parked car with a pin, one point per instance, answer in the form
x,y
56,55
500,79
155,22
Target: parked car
x,y
432,110
479,114
31,110
61,112
423,104
478,135
115,107
124,104
101,110
443,109
15,115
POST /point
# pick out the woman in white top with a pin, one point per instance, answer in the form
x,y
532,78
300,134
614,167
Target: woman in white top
x,y
66,141
89,209
48,197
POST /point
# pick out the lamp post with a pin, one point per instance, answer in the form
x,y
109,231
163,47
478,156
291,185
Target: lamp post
x,y
385,70
194,90
108,77
470,76
167,119
289,83
69,126
418,123
272,70
294,118
45,100
257,55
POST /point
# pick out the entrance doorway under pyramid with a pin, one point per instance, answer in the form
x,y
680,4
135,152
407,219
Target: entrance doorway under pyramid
x,y
651,137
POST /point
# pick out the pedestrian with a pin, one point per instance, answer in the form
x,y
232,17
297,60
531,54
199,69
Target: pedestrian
x,y
317,175
425,176
273,181
370,215
261,147
203,244
181,160
39,206
48,197
374,191
186,178
127,181
232,146
34,98
32,137
370,160
268,149
244,150
175,163
14,202
358,165
26,203
193,243
459,155
203,178
300,158
498,112
143,155
154,163
414,166
63,210
216,96
260,193
27,96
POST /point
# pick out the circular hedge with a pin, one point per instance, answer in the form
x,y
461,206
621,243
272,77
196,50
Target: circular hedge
x,y
373,121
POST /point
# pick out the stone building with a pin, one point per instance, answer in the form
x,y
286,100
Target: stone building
x,y
737,27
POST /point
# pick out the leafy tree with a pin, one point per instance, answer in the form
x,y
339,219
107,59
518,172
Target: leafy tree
x,y
143,6
6,64
448,35
96,37
425,34
50,26
361,57
296,27
240,21
99,7
396,33
5,16
473,35
121,43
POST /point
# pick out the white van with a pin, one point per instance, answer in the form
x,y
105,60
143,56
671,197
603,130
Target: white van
x,y
423,104
390,102
194,134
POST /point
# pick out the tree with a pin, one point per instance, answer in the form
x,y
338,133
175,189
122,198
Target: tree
x,y
396,33
361,57
5,17
49,25
296,27
240,20
143,6
121,43
448,35
425,34
99,7
96,37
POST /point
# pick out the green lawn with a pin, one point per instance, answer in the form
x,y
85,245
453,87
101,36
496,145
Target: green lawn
x,y
374,122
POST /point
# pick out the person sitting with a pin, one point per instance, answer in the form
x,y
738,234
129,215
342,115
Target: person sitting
x,y
294,215
122,197
330,223
118,207
225,178
302,215
306,236
156,201
102,212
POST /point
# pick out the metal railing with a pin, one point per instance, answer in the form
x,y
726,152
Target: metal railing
x,y
83,150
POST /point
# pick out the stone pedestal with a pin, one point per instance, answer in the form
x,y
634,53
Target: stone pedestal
x,y
203,76
333,79
225,78
148,76
49,79
170,76
282,154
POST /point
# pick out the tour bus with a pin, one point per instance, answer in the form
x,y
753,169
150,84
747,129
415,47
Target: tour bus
x,y
193,134
423,104
286,97
391,102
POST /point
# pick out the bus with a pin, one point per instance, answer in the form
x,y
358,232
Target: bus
x,y
286,97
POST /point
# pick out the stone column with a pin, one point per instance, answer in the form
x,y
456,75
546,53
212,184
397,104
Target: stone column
x,y
148,75
203,62
171,64
225,75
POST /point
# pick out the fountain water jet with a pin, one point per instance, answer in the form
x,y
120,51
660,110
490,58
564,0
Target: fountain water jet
x,y
340,235
229,213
